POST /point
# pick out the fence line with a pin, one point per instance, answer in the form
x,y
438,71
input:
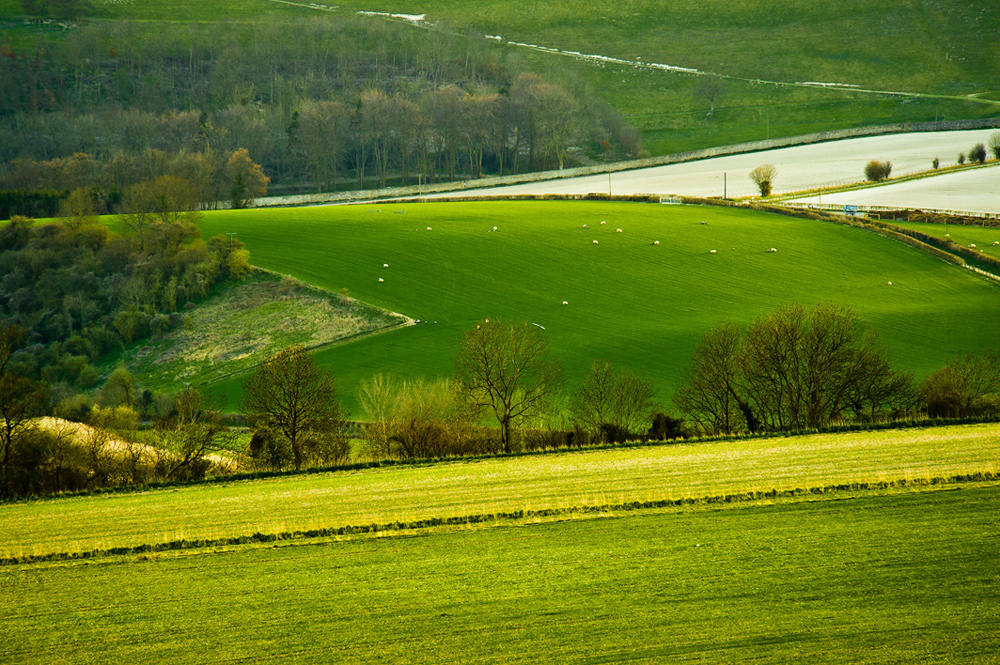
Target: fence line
x,y
663,160
839,207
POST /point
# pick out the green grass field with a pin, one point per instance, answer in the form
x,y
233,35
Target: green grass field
x,y
640,305
982,237
910,577
487,487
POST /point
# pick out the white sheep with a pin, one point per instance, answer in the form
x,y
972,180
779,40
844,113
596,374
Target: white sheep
x,y
618,230
385,265
565,302
773,249
595,242
603,222
996,242
711,251
429,228
380,279
890,283
494,228
704,222
586,226
656,242
973,246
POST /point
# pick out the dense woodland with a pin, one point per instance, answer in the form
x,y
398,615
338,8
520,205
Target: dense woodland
x,y
320,104
79,290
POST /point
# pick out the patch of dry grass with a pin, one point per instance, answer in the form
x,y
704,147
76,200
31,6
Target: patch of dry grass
x,y
237,329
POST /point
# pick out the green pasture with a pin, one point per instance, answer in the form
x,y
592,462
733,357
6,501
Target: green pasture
x,y
641,305
871,579
555,481
982,237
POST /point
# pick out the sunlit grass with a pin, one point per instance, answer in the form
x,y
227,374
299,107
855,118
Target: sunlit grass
x,y
572,479
871,579
643,306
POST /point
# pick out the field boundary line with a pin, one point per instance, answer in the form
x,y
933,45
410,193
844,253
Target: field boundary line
x,y
627,165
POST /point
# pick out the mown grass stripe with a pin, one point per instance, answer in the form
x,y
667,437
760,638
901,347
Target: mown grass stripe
x,y
502,517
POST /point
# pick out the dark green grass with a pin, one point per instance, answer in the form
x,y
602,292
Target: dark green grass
x,y
642,306
887,579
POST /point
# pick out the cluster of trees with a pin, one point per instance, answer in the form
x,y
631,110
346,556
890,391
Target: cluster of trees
x,y
794,369
310,101
791,370
79,290
153,182
98,442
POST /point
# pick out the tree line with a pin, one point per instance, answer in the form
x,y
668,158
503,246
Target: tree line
x,y
318,104
796,369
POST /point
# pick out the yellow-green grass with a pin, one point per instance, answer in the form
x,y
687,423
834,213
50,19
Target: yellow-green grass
x,y
486,487
873,579
643,306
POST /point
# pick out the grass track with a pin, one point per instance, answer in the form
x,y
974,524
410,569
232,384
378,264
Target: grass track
x,y
901,578
406,494
640,305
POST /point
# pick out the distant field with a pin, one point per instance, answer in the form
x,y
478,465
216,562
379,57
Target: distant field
x,y
640,305
982,237
486,487
870,579
896,46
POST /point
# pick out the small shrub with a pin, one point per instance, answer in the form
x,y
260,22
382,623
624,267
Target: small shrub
x,y
159,324
961,158
977,153
995,144
876,171
936,163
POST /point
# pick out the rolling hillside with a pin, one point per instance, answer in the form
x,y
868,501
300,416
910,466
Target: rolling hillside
x,y
642,305
876,63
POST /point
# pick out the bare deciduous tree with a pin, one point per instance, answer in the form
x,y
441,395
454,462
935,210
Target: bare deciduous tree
x,y
763,176
506,368
290,394
792,369
710,391
613,402
711,89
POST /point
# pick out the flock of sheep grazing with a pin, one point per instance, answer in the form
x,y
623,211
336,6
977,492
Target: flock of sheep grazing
x,y
603,223
657,242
